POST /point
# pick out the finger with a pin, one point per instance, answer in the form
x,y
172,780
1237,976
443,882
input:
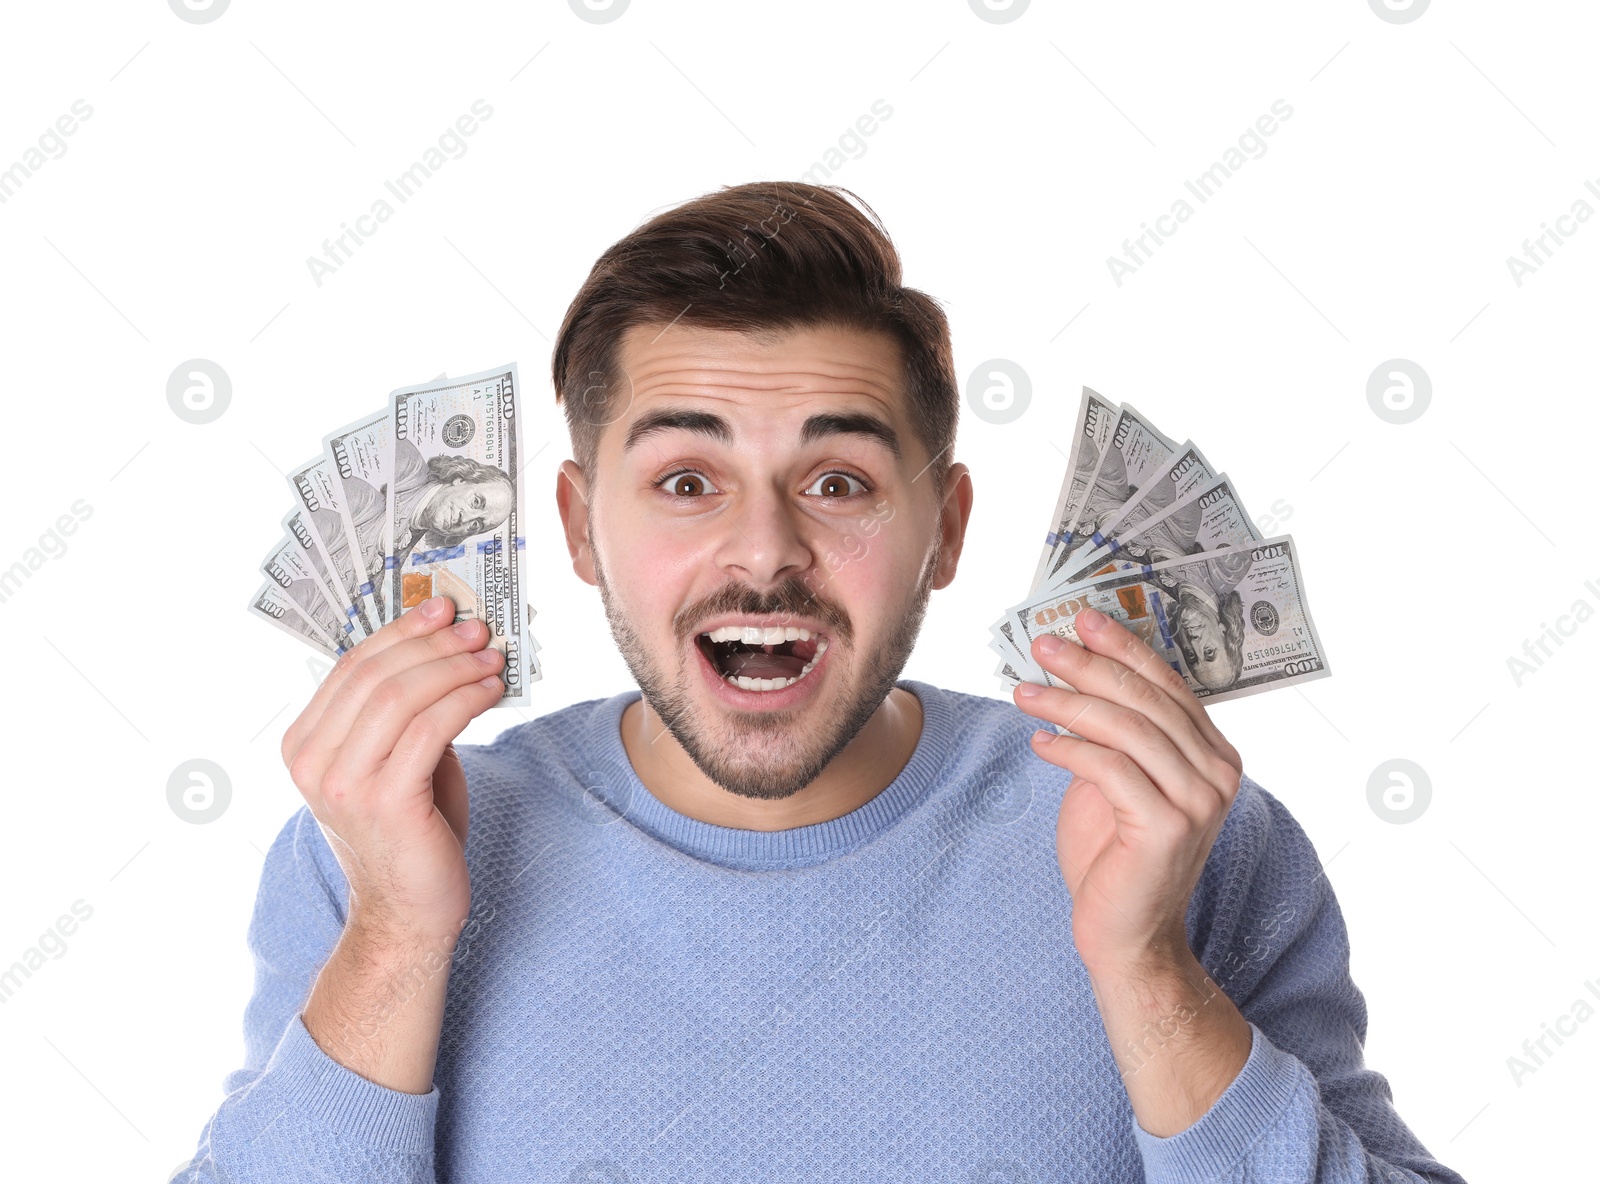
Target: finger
x,y
1109,680
1117,642
428,616
421,746
1136,802
321,746
1135,734
398,700
1121,644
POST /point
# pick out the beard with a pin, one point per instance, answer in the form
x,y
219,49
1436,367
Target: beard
x,y
768,755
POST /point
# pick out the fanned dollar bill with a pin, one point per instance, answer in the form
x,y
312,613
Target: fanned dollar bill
x,y
1185,471
1233,621
273,605
1159,541
1003,641
286,567
1206,519
454,524
1135,452
295,529
421,497
359,454
1091,432
323,512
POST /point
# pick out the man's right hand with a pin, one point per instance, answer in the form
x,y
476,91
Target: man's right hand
x,y
374,758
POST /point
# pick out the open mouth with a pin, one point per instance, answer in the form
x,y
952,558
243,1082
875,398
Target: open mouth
x,y
762,658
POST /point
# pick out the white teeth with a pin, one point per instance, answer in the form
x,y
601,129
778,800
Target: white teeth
x,y
759,635
767,635
822,648
776,684
760,684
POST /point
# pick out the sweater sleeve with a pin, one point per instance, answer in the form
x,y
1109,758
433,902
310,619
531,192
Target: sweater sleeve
x,y
1305,1108
292,1114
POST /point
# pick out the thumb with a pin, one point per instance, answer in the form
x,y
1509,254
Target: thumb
x,y
450,792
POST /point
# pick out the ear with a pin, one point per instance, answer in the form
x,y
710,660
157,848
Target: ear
x,y
953,517
572,500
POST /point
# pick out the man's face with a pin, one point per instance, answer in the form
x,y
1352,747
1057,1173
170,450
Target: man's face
x,y
464,508
1207,650
765,531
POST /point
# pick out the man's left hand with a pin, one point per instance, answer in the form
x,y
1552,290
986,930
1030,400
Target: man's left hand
x,y
1153,781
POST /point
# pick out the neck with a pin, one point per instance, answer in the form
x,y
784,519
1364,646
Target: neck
x,y
862,770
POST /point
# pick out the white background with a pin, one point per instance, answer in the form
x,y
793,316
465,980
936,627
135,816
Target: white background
x,y
1019,156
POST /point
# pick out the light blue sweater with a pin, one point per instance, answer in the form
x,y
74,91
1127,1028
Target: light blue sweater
x,y
890,996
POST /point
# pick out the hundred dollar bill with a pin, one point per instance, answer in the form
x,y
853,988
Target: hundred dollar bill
x,y
1205,520
454,525
1002,640
1090,432
295,579
1044,611
273,605
295,528
1232,621
1185,472
1135,452
317,494
1007,674
359,455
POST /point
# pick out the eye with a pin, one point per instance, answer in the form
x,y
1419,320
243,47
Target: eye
x,y
686,483
837,485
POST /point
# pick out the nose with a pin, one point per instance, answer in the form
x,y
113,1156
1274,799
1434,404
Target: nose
x,y
762,540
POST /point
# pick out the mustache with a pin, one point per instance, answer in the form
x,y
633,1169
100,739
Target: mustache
x,y
792,599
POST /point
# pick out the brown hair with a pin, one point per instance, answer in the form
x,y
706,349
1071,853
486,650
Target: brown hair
x,y
757,258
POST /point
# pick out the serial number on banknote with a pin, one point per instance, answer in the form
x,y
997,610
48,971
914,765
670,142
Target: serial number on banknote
x,y
1273,651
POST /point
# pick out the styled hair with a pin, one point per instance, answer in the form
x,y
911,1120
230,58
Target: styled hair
x,y
446,467
759,258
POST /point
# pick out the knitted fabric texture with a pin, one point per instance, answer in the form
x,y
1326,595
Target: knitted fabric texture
x,y
892,995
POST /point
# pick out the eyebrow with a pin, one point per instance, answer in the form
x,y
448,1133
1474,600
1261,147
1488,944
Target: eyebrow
x,y
854,424
706,423
667,420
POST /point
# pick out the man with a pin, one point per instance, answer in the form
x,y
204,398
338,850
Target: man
x,y
781,915
445,500
1208,620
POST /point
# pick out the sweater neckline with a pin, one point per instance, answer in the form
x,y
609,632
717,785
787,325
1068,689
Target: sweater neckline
x,y
797,846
